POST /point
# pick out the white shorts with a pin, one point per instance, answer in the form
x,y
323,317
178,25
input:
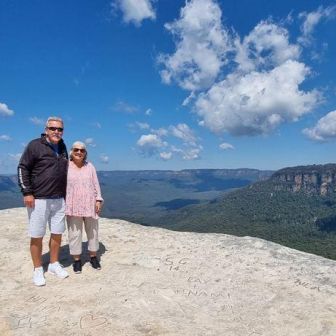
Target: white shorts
x,y
51,211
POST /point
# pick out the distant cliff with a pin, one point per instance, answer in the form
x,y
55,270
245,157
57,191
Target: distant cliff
x,y
315,179
187,176
139,194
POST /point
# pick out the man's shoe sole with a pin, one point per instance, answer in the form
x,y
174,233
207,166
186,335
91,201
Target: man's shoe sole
x,y
39,285
57,275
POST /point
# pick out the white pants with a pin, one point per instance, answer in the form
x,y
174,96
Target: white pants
x,y
75,230
46,211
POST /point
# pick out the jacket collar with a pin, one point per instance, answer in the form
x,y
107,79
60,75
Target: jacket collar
x,y
44,140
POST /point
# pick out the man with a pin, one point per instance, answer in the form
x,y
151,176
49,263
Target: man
x,y
42,175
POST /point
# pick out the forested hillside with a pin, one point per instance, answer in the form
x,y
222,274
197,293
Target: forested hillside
x,y
298,219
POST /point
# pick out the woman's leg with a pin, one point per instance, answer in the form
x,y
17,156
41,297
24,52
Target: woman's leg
x,y
75,228
91,229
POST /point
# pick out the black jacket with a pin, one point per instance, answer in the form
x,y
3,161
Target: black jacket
x,y
41,172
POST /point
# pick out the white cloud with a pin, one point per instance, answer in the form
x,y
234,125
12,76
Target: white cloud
x,y
150,144
244,86
183,132
188,153
124,107
90,142
202,45
150,140
104,158
166,156
153,144
135,11
5,138
37,121
160,131
312,19
189,99
97,125
258,102
148,112
15,157
142,126
136,126
226,146
9,162
325,128
191,149
192,154
5,111
266,46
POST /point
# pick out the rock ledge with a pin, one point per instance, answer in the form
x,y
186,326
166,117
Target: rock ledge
x,y
159,282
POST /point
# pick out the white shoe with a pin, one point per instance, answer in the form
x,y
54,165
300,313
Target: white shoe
x,y
38,277
56,269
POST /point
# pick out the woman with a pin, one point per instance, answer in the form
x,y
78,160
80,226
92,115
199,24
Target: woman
x,y
83,205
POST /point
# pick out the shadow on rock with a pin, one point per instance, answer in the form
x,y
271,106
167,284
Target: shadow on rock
x,y
66,259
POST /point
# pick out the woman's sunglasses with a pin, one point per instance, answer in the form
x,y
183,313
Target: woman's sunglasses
x,y
82,150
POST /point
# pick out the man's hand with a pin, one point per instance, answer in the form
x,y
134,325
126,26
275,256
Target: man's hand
x,y
29,201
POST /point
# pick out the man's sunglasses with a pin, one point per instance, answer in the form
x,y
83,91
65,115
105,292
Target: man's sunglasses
x,y
51,128
82,150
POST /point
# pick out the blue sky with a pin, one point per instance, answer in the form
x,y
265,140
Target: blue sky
x,y
169,84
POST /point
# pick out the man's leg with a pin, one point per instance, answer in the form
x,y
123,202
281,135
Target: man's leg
x,y
38,217
55,267
54,246
36,251
57,227
37,226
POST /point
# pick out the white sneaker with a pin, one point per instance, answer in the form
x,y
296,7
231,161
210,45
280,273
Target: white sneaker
x,y
56,269
38,277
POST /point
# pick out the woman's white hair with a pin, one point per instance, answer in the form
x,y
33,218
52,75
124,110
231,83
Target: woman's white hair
x,y
81,145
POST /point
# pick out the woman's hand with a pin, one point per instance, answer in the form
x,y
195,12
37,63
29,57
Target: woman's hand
x,y
98,207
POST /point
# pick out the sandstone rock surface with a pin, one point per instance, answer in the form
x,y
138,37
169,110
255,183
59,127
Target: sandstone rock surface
x,y
159,282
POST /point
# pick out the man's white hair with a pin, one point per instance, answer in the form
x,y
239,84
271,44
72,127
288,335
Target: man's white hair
x,y
54,119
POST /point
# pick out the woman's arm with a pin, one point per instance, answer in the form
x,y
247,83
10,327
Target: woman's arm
x,y
96,185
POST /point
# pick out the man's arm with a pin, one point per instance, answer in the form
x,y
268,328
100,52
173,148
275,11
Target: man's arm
x,y
24,177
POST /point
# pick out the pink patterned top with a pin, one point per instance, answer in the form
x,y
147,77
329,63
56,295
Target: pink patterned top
x,y
83,191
